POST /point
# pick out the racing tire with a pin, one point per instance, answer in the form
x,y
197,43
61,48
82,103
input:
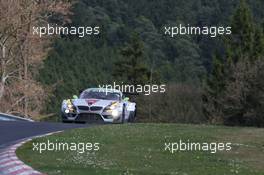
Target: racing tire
x,y
131,118
123,114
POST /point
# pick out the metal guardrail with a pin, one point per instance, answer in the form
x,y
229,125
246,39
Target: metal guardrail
x,y
9,117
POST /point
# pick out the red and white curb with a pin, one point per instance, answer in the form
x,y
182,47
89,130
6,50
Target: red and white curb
x,y
10,163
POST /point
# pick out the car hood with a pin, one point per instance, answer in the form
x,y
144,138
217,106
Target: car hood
x,y
92,102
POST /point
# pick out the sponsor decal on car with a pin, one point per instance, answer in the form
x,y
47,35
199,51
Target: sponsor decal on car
x,y
90,102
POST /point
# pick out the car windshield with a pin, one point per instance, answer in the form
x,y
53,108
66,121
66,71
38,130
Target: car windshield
x,y
100,95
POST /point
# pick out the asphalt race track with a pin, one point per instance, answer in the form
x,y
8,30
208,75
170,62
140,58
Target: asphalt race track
x,y
12,131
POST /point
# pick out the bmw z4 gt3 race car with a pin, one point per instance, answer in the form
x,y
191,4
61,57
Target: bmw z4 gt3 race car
x,y
99,105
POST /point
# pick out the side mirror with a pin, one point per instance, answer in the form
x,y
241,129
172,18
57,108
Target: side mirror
x,y
126,99
75,97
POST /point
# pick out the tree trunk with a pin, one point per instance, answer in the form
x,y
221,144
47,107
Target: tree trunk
x,y
2,83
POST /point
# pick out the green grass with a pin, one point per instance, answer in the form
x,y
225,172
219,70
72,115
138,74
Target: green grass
x,y
139,149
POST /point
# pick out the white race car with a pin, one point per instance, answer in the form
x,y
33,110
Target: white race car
x,y
99,105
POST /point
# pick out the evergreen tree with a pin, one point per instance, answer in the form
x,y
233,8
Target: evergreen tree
x,y
258,46
131,67
240,43
229,89
215,85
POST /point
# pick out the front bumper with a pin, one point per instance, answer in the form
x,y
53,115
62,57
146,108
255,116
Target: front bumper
x,y
90,118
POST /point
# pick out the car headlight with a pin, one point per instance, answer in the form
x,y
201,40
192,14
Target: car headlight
x,y
112,109
111,106
69,107
115,113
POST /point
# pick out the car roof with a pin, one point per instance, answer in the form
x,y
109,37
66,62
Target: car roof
x,y
103,90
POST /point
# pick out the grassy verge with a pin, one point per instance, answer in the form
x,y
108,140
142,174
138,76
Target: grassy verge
x,y
139,149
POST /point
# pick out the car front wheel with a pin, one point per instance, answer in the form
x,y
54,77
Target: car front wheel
x,y
123,114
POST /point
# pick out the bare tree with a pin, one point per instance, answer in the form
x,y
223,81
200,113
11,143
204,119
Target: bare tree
x,y
22,52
